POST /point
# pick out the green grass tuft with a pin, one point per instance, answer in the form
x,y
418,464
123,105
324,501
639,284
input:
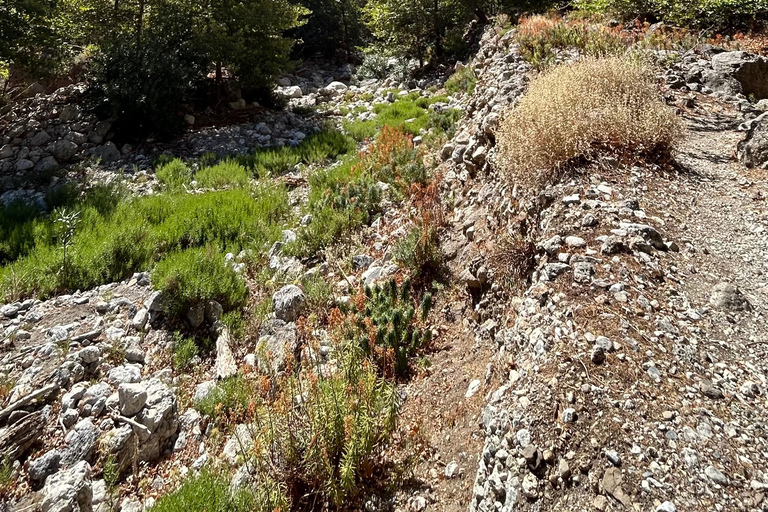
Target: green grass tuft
x,y
226,174
196,276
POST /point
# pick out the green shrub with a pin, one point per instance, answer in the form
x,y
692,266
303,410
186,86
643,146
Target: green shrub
x,y
142,84
540,37
319,293
210,492
359,130
374,66
710,14
329,440
184,351
317,147
198,275
174,175
391,311
140,231
24,225
341,199
420,251
347,196
207,159
463,80
226,174
231,397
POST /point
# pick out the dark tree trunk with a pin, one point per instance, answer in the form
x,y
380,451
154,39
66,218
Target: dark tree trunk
x,y
139,21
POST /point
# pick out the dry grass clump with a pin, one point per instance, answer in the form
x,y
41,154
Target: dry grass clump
x,y
579,111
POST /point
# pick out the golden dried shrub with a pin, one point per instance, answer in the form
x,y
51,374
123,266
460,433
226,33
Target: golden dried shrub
x,y
580,111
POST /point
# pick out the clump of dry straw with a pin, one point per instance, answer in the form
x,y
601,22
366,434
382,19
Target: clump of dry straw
x,y
582,110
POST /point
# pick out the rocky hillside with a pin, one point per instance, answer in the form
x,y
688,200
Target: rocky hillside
x,y
599,344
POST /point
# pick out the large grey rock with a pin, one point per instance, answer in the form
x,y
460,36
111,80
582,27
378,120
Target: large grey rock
x,y
160,420
64,150
40,138
23,165
69,490
727,296
132,398
277,342
753,150
106,153
47,164
6,151
293,92
123,375
44,466
289,302
749,70
334,89
238,445
81,444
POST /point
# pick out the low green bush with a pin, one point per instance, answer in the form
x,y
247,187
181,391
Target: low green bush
x,y
463,80
541,37
398,337
710,14
347,196
184,351
317,147
173,175
209,492
24,225
341,199
226,174
230,398
325,432
141,231
359,130
196,276
419,250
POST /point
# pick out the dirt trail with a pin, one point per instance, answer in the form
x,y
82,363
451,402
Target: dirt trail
x,y
722,209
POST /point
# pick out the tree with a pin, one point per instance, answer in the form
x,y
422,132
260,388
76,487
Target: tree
x,y
27,39
246,36
331,25
418,28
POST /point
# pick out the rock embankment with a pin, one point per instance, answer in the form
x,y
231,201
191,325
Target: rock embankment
x,y
633,367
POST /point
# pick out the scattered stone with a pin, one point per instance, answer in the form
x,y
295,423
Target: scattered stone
x,y
289,303
132,398
727,296
473,388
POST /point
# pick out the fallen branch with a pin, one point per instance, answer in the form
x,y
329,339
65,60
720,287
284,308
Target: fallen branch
x,y
135,424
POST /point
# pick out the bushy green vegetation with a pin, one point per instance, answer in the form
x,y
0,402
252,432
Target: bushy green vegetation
x,y
110,245
24,226
359,130
710,14
346,196
174,175
462,80
326,440
419,250
230,398
210,492
226,174
540,37
315,148
184,351
198,275
397,336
